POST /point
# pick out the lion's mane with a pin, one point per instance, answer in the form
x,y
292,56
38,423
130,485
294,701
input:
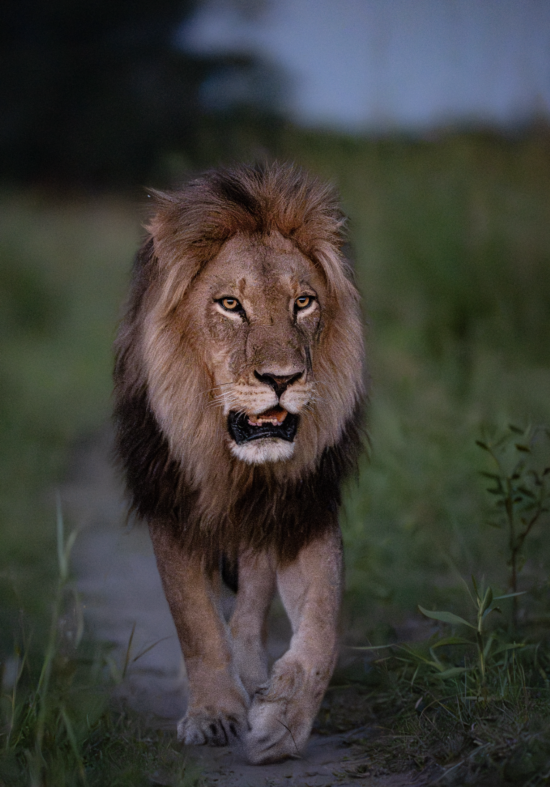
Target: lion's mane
x,y
170,438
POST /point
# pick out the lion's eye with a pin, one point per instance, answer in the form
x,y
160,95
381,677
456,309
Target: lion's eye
x,y
230,304
303,301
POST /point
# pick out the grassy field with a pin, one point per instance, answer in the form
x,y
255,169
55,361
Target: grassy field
x,y
452,242
452,246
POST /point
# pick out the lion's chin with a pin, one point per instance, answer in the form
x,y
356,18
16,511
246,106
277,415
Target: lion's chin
x,y
261,451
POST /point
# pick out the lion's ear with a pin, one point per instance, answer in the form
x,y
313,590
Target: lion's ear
x,y
161,218
144,255
165,224
171,243
337,270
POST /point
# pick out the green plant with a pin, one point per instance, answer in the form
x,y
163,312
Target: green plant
x,y
487,645
520,486
464,666
35,717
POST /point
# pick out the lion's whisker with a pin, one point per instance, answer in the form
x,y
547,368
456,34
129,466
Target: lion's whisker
x,y
215,387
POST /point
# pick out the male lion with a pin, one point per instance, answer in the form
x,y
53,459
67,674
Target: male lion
x,y
239,390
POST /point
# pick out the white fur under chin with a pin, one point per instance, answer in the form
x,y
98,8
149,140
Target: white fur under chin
x,y
258,452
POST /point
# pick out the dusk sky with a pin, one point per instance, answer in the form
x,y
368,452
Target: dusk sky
x,y
383,64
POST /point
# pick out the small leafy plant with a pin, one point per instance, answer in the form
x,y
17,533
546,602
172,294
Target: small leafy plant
x,y
487,645
520,484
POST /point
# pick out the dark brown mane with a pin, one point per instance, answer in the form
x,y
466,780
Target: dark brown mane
x,y
259,508
257,199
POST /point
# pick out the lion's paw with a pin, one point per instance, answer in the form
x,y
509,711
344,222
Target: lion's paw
x,y
212,727
277,730
280,718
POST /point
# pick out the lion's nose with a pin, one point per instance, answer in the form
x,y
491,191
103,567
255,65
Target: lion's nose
x,y
278,382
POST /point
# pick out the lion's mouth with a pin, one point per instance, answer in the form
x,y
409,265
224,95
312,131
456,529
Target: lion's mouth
x,y
276,422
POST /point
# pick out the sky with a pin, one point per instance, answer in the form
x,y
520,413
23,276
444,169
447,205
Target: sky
x,y
388,64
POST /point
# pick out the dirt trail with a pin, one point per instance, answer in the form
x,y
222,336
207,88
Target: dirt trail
x,y
121,591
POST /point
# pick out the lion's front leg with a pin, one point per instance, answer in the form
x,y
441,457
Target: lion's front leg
x,y
257,579
282,712
216,713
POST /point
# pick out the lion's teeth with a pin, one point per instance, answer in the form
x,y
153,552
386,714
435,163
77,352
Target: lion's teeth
x,y
274,418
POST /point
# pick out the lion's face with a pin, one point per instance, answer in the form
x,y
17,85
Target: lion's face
x,y
244,334
258,311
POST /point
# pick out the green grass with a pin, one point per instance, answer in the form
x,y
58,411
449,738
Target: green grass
x,y
59,725
63,268
467,701
452,244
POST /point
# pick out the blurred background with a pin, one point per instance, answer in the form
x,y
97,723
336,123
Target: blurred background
x,y
431,117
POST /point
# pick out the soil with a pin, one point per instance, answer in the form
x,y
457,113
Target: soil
x,y
125,606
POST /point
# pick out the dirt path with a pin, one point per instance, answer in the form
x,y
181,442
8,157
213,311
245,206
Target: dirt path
x,y
121,591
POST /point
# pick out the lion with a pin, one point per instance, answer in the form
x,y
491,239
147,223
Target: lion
x,y
239,393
